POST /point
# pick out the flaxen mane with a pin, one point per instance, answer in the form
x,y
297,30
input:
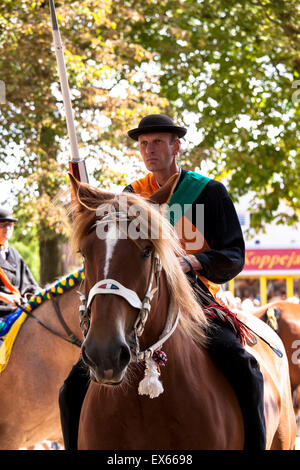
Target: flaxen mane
x,y
85,207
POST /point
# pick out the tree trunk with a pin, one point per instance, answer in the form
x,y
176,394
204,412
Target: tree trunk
x,y
52,266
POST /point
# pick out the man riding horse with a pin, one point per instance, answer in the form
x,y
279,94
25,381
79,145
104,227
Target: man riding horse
x,y
216,257
16,279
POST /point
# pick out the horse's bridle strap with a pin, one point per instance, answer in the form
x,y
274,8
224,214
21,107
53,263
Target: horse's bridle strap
x,y
142,355
111,286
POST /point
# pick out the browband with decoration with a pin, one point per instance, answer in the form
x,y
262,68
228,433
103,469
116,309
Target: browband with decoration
x,y
105,286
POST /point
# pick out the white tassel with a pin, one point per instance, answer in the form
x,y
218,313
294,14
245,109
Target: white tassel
x,y
151,385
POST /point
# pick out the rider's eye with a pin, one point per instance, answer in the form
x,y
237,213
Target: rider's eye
x,y
147,252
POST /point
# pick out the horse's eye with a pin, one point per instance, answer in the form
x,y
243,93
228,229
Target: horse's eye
x,y
147,252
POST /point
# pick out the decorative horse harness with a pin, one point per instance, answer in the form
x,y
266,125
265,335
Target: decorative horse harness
x,y
152,356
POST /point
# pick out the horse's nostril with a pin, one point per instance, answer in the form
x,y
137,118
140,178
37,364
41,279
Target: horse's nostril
x,y
124,356
86,358
107,363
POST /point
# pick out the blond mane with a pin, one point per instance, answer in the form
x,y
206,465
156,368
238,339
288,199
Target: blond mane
x,y
88,200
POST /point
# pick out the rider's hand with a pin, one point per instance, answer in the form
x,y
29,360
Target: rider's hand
x,y
193,260
13,299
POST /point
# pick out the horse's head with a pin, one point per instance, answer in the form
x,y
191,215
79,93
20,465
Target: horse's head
x,y
122,239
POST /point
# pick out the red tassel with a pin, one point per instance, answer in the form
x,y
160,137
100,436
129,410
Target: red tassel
x,y
213,311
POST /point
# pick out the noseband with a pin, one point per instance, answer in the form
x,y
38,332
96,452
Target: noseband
x,y
111,286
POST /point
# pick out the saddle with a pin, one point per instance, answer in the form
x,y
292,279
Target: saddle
x,y
226,348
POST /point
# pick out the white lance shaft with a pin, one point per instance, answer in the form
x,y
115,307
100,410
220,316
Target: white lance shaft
x,y
77,166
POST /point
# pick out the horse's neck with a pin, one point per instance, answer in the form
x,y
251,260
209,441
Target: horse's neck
x,y
68,304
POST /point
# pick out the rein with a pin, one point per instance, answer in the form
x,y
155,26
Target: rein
x,y
71,338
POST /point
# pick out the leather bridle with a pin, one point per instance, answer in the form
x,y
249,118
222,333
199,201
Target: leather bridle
x,y
111,286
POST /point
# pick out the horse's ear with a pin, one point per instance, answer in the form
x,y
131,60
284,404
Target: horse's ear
x,y
85,196
163,194
74,185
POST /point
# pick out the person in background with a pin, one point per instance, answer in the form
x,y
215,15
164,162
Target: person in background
x,y
16,279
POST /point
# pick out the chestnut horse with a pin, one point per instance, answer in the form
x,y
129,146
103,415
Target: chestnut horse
x,y
150,303
286,322
38,365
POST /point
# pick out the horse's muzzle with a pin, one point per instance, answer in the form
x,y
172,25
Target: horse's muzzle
x,y
107,364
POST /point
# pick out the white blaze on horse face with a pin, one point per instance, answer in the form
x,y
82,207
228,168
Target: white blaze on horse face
x,y
112,236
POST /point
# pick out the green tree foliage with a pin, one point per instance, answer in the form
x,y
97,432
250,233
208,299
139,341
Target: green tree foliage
x,y
236,66
30,252
232,65
32,126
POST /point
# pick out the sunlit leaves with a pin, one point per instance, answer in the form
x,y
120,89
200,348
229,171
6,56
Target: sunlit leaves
x,y
234,65
109,91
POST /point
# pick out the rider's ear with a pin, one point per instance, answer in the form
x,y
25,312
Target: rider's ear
x,y
163,194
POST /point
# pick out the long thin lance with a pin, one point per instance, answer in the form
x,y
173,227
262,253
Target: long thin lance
x,y
76,165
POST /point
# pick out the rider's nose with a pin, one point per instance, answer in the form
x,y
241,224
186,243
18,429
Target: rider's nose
x,y
149,149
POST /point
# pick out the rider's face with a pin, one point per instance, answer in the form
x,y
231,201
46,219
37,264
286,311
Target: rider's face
x,y
158,150
6,231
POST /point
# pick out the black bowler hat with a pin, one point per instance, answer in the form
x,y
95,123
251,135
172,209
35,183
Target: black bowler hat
x,y
6,216
156,123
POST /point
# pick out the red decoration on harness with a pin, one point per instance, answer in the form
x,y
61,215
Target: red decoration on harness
x,y
216,311
160,357
109,286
